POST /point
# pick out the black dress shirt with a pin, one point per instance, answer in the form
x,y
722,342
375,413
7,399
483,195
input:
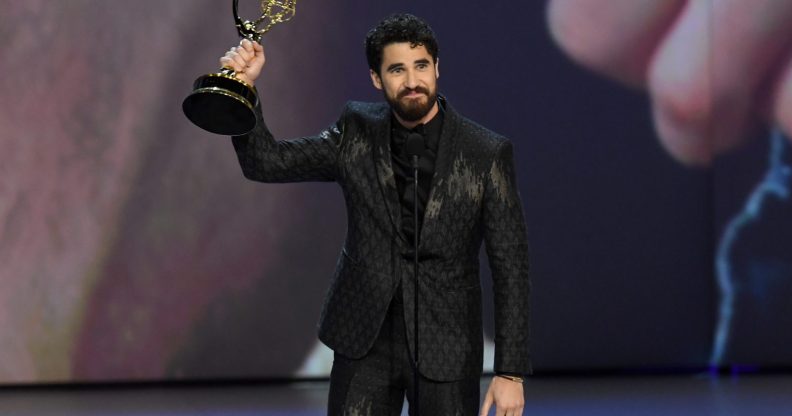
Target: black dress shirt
x,y
403,171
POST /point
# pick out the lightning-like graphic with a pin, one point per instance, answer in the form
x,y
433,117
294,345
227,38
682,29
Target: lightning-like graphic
x,y
776,184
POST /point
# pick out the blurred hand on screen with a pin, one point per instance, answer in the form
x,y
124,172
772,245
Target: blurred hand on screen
x,y
246,60
715,69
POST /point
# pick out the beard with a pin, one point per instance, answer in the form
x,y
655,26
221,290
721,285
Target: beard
x,y
409,109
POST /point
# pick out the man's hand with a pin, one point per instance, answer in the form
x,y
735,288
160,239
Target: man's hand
x,y
715,69
506,395
246,60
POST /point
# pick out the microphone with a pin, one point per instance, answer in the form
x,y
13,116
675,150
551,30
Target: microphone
x,y
415,147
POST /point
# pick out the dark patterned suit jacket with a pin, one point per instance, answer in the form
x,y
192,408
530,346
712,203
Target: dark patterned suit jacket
x,y
473,197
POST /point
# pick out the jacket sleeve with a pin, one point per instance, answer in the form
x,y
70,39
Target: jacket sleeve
x,y
507,250
265,159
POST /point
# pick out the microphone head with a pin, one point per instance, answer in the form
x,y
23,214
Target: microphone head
x,y
415,145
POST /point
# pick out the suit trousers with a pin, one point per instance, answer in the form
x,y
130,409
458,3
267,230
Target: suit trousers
x,y
377,384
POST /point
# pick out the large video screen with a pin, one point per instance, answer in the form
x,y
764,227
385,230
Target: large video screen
x,y
651,149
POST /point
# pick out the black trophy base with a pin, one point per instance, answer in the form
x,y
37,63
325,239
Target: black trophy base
x,y
221,104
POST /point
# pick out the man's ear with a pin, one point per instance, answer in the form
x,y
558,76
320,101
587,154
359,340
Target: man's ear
x,y
375,79
437,68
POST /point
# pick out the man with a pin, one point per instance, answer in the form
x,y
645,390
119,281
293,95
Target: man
x,y
466,192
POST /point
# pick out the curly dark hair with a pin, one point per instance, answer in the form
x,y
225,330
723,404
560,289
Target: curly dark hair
x,y
396,28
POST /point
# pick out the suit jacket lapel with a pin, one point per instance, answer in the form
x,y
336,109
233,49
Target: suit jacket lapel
x,y
446,151
384,167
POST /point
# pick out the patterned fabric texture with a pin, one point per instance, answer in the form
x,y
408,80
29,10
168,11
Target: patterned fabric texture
x,y
473,198
377,384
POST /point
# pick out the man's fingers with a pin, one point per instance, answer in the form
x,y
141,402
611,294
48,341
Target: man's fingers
x,y
246,45
680,86
716,69
485,408
241,62
616,37
750,49
508,409
244,53
226,62
708,76
246,60
782,101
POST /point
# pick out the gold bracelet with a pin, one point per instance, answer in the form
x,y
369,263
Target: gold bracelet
x,y
512,378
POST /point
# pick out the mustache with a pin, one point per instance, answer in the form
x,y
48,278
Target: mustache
x,y
408,91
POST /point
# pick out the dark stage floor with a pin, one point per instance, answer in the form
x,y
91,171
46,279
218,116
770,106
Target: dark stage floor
x,y
613,396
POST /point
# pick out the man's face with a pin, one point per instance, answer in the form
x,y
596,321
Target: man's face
x,y
408,79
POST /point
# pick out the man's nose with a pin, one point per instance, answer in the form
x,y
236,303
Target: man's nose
x,y
412,81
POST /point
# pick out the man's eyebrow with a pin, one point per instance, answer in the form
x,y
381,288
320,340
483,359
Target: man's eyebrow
x,y
422,61
394,66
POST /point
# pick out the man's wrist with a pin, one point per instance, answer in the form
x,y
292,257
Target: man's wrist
x,y
511,377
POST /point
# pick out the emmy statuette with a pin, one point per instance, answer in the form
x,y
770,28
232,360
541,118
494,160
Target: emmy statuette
x,y
220,103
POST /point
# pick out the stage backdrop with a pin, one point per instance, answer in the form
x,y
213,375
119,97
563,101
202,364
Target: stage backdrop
x,y
132,249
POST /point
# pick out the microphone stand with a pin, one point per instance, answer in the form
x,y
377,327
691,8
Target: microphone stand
x,y
415,146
